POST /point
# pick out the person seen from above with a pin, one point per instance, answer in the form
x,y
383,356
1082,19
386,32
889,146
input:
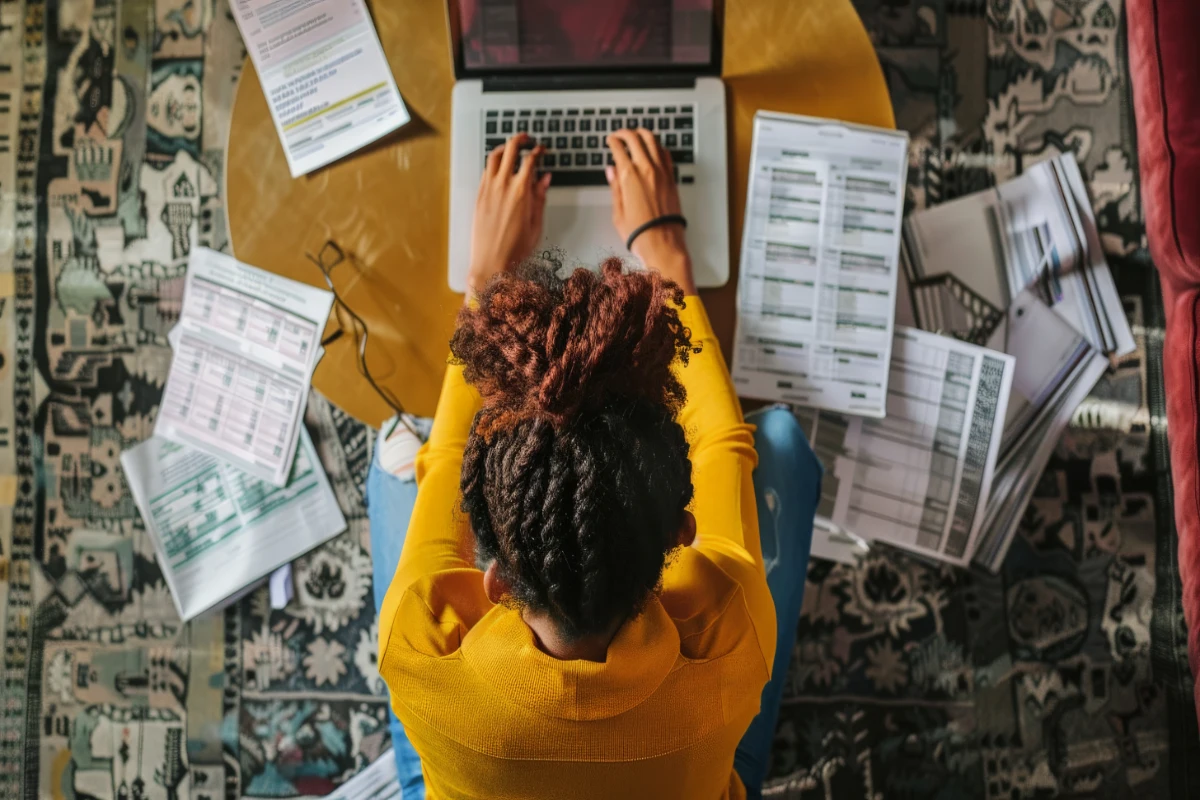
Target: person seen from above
x,y
592,587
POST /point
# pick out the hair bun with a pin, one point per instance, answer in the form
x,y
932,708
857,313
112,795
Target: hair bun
x,y
538,346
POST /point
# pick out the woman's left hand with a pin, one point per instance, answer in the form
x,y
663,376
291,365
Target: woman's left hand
x,y
508,212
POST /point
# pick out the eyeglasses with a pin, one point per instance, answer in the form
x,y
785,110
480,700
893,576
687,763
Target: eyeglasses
x,y
327,259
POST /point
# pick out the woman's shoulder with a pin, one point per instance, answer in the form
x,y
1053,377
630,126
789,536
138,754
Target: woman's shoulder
x,y
707,605
435,613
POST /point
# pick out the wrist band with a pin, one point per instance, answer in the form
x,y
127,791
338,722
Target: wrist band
x,y
665,219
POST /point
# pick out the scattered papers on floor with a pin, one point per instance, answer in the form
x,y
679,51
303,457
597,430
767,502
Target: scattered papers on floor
x,y
1020,269
920,478
219,531
246,345
817,293
324,75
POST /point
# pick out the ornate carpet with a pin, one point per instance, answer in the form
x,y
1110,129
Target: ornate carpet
x,y
1062,676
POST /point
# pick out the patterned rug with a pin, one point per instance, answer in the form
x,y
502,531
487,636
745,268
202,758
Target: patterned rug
x,y
1063,676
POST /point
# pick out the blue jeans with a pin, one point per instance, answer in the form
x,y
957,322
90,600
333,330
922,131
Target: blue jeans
x,y
787,485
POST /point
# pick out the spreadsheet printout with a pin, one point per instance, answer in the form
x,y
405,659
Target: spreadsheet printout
x,y
819,264
216,529
246,345
921,477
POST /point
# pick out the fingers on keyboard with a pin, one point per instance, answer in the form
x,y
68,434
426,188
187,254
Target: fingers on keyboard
x,y
579,160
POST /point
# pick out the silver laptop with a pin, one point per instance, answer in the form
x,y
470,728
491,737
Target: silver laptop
x,y
568,72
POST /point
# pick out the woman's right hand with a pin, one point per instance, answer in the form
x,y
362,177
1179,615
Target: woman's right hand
x,y
508,212
643,188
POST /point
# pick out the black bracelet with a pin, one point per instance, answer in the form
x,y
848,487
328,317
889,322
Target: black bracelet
x,y
665,219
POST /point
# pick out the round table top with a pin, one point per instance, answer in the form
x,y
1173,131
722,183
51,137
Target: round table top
x,y
387,205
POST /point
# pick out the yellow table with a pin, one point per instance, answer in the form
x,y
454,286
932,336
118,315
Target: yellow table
x,y
387,206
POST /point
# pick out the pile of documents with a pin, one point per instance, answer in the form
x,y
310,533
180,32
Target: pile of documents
x,y
933,363
1020,269
230,487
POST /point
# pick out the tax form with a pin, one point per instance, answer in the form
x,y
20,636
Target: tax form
x,y
324,75
920,478
246,345
819,264
218,530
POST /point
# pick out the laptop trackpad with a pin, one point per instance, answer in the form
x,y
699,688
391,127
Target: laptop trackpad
x,y
583,231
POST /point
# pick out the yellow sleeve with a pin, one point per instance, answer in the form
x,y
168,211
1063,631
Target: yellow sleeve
x,y
723,461
439,537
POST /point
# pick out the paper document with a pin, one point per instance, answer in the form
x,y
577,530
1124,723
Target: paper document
x,y
324,75
921,477
218,530
833,543
281,588
380,781
246,345
1056,369
817,293
967,259
1048,353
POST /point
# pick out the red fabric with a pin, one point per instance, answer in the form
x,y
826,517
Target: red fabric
x,y
1164,61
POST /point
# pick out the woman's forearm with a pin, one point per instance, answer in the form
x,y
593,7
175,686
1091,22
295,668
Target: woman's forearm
x,y
722,444
676,267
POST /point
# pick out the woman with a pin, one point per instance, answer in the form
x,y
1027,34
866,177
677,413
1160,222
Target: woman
x,y
581,608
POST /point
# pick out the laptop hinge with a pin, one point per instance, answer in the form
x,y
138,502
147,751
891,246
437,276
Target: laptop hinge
x,y
548,82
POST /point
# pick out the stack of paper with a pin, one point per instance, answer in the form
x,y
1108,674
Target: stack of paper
x,y
817,294
816,328
230,487
936,445
1020,269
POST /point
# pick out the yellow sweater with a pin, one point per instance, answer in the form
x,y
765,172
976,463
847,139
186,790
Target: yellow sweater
x,y
494,717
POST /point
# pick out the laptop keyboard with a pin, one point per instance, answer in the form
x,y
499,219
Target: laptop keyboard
x,y
574,137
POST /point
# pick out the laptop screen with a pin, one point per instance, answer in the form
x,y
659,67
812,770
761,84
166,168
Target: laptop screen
x,y
546,34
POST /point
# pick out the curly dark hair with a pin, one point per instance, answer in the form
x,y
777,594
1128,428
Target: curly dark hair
x,y
576,474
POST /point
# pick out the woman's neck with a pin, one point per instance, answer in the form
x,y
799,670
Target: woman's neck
x,y
587,648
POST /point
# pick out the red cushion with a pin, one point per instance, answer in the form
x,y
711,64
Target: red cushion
x,y
1164,61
